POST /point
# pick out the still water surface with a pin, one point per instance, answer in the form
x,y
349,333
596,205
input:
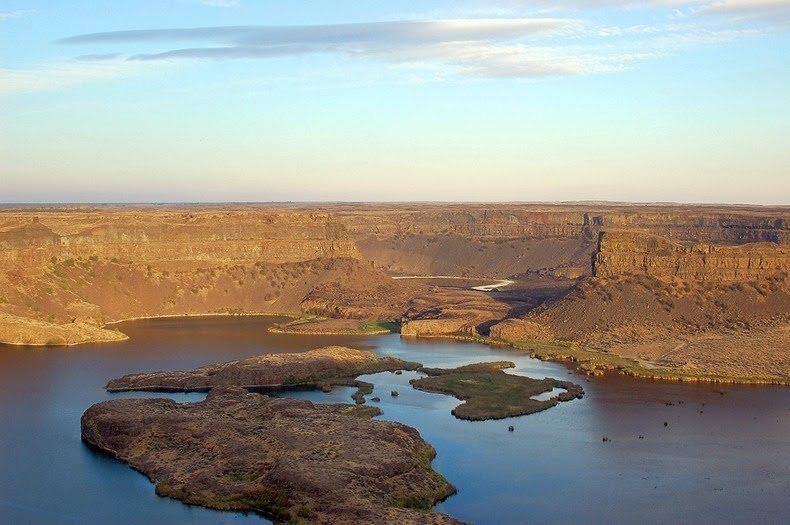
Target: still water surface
x,y
723,456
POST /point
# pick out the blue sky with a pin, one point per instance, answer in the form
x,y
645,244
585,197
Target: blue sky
x,y
511,100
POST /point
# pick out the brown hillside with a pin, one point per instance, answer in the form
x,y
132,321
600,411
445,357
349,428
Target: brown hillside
x,y
694,328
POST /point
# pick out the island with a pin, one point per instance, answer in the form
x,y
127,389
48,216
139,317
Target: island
x,y
288,460
490,393
320,368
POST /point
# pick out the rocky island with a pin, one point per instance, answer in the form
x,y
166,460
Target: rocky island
x,y
319,368
289,460
292,460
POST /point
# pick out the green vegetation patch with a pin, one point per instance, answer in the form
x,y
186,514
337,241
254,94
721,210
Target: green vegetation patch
x,y
489,393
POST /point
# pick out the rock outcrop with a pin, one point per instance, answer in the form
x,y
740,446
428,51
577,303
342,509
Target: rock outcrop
x,y
520,329
628,252
314,368
171,236
98,264
289,460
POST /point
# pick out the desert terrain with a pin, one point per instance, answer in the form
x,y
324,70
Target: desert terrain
x,y
667,291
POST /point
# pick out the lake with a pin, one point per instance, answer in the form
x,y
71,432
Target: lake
x,y
707,453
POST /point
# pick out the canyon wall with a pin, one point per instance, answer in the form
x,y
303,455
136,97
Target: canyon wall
x,y
710,224
631,252
172,237
507,240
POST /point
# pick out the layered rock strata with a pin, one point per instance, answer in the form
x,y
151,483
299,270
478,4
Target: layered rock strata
x,y
628,252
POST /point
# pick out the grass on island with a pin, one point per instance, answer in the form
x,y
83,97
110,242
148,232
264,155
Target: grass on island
x,y
489,393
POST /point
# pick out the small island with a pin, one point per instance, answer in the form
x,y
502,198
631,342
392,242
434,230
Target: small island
x,y
288,460
490,393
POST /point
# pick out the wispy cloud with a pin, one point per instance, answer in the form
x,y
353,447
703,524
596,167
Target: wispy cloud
x,y
773,12
475,47
401,32
18,13
767,10
516,42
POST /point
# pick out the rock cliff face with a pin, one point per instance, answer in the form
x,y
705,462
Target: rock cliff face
x,y
620,253
706,224
502,240
717,224
463,220
172,237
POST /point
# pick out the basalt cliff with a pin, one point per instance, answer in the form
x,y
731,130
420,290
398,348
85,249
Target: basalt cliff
x,y
663,285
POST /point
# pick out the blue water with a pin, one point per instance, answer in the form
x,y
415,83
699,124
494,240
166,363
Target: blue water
x,y
728,464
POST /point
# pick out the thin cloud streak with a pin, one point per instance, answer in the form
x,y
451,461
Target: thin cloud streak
x,y
235,52
511,47
475,47
772,12
401,32
766,10
8,15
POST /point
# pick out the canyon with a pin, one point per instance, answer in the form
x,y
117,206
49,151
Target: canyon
x,y
679,291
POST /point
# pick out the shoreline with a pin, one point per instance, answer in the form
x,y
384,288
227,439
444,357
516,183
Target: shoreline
x,y
275,330
588,362
609,363
212,314
69,345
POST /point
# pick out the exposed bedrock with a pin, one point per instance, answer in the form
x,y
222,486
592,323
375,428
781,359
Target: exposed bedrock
x,y
287,459
153,236
314,368
624,252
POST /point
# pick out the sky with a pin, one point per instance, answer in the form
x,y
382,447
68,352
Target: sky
x,y
337,100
